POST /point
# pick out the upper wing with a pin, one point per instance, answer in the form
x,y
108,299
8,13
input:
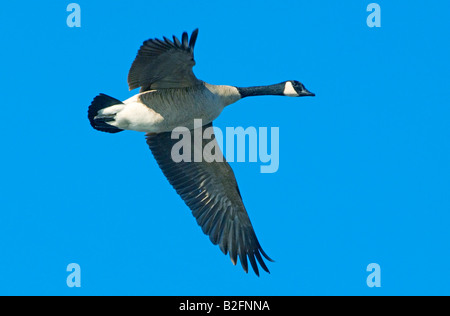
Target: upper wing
x,y
164,64
211,192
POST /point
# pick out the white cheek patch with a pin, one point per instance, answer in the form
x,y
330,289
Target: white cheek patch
x,y
289,90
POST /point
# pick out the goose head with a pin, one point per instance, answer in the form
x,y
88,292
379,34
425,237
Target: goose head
x,y
294,88
290,88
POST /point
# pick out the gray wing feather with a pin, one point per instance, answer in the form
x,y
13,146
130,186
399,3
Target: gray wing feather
x,y
211,192
164,64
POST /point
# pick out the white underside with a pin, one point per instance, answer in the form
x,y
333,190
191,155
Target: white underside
x,y
133,115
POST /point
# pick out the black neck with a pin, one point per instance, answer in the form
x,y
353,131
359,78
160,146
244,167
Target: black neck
x,y
274,89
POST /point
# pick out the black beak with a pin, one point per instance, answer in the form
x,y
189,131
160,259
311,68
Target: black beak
x,y
306,93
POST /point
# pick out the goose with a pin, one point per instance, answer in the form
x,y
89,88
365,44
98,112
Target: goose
x,y
171,96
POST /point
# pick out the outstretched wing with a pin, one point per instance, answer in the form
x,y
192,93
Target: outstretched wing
x,y
164,64
211,192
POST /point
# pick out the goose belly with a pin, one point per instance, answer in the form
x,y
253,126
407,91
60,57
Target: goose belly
x,y
135,116
154,113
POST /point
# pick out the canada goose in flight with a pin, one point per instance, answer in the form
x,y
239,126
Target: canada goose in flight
x,y
171,96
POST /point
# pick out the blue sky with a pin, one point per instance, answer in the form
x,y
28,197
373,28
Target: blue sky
x,y
364,166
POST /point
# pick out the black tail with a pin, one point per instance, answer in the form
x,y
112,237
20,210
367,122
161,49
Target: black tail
x,y
99,122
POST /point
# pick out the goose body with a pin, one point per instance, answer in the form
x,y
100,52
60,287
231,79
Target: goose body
x,y
163,110
170,97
